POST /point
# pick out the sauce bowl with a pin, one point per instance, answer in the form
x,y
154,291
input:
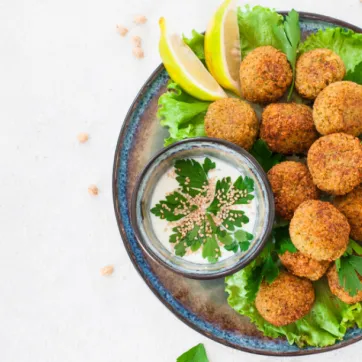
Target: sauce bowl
x,y
196,148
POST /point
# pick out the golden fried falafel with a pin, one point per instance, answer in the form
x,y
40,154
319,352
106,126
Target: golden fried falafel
x,y
316,69
319,230
265,75
338,290
303,266
292,184
288,127
335,163
284,301
233,120
338,108
351,206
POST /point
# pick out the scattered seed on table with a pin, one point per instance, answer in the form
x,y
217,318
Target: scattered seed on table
x,y
83,137
140,19
136,40
107,270
138,52
122,30
93,190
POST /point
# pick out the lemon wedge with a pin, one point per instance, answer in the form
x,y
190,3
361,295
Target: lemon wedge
x,y
222,47
185,68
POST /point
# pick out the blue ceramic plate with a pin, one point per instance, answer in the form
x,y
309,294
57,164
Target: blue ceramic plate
x,y
200,304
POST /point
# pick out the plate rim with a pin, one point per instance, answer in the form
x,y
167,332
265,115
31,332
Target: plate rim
x,y
121,136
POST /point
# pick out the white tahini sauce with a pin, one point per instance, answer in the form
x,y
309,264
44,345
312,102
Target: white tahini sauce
x,y
167,184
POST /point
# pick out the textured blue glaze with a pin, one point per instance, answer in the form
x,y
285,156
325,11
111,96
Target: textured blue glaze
x,y
253,344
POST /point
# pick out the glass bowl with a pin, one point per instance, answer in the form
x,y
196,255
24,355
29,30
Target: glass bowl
x,y
196,148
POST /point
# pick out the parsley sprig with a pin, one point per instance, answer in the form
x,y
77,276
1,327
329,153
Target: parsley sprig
x,y
283,242
269,265
266,158
179,206
192,176
349,268
165,209
289,36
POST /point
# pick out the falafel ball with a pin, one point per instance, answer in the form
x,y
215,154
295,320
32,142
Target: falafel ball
x,y
338,290
288,127
338,108
335,163
316,69
304,266
233,120
284,301
265,75
351,206
292,184
319,230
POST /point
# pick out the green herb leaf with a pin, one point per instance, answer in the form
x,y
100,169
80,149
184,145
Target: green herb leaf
x,y
346,43
283,241
208,165
196,43
225,238
280,222
180,248
267,269
181,113
264,156
353,246
245,245
211,250
240,240
235,218
289,37
234,247
348,277
192,240
195,354
222,188
166,209
244,238
270,269
349,266
356,262
254,282
191,176
246,185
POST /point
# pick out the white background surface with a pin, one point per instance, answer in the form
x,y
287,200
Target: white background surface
x,y
65,70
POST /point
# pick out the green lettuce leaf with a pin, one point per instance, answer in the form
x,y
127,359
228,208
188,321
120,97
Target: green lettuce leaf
x,y
326,323
346,43
181,113
196,43
256,27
